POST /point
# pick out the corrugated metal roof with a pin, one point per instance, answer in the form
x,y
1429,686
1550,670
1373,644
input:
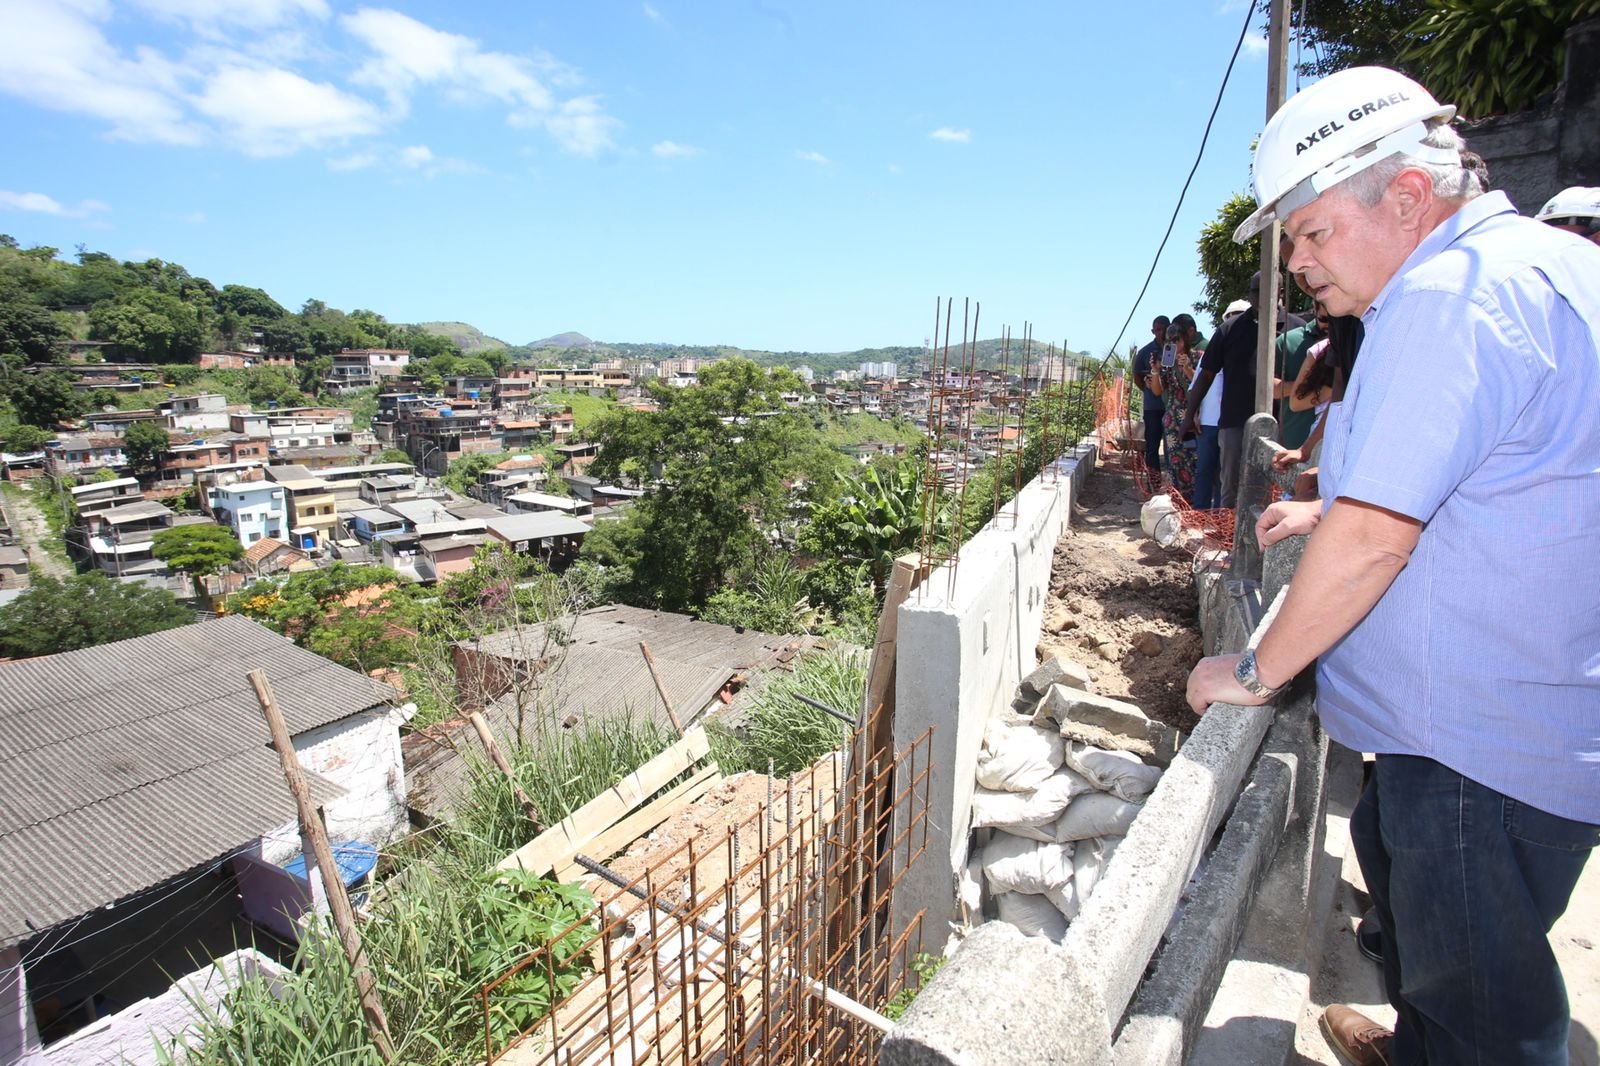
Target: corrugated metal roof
x,y
600,674
134,762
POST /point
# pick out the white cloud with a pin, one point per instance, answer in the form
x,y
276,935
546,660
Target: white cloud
x,y
274,112
237,72
40,203
581,127
812,157
195,218
357,161
1255,45
673,150
54,56
415,156
952,135
653,15
254,14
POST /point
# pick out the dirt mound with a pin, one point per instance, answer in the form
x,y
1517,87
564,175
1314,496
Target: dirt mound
x,y
1122,605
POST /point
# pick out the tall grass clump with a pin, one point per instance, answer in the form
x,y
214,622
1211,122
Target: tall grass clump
x,y
430,948
786,734
560,769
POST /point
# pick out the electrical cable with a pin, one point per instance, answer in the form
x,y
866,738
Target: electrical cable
x,y
1215,107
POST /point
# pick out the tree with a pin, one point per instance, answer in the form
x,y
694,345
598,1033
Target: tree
x,y
56,615
267,385
1485,56
394,455
721,449
875,521
44,399
248,303
26,329
359,616
149,325
146,444
197,550
21,439
1226,266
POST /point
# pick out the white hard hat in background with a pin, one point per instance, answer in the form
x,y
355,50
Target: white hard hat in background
x,y
1580,201
1337,128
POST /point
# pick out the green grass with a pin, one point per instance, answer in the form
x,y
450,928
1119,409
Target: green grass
x,y
785,734
585,408
860,428
50,504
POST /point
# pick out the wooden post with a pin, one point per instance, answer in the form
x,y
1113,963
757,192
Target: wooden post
x,y
650,661
1267,313
529,811
312,829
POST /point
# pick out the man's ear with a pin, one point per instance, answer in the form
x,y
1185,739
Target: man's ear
x,y
1411,197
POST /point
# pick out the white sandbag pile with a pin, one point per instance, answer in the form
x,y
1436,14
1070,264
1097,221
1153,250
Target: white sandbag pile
x,y
1060,781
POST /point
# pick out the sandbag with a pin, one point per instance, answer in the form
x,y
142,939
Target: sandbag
x,y
1065,899
1018,756
1099,814
1089,864
1015,864
1118,772
1034,915
1039,807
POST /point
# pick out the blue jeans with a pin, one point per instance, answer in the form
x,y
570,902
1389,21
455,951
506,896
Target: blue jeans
x,y
1207,464
1152,440
1468,882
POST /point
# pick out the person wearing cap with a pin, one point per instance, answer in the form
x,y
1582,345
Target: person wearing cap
x,y
1144,371
1576,210
1231,353
1295,423
1453,635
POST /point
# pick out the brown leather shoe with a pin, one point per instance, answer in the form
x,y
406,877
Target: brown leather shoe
x,y
1359,1040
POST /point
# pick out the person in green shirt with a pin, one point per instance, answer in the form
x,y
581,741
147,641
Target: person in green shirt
x,y
1291,354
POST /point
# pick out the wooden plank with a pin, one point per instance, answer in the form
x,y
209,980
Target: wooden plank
x,y
643,820
575,831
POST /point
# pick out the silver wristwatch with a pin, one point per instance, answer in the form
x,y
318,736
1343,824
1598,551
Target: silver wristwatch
x,y
1245,674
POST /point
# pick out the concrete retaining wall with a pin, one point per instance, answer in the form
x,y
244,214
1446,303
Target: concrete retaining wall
x,y
1096,998
966,637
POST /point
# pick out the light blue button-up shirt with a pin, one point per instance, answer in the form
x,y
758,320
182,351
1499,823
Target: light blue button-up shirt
x,y
1475,408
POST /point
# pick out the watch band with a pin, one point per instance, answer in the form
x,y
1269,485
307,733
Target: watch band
x,y
1245,674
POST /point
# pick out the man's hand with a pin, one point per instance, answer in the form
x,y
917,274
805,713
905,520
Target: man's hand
x,y
1288,457
1305,484
1287,518
1188,428
1212,681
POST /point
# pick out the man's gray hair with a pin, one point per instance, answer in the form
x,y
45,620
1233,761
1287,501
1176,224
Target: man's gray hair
x,y
1450,182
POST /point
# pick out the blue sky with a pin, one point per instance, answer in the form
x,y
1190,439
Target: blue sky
x,y
787,176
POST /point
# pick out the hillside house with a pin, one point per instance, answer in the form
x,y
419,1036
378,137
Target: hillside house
x,y
143,797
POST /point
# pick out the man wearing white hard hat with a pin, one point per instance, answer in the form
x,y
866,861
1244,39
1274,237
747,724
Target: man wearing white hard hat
x,y
1576,210
1455,636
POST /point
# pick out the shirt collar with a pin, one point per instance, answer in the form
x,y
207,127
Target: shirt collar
x,y
1471,214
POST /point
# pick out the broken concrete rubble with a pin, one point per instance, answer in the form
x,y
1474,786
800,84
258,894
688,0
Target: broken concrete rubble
x,y
1107,723
1056,670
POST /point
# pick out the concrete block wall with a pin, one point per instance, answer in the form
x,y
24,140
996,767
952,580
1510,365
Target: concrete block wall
x,y
965,639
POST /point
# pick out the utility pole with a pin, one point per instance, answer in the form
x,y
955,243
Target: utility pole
x,y
1277,80
314,833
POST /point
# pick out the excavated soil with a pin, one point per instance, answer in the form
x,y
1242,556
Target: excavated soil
x,y
1122,605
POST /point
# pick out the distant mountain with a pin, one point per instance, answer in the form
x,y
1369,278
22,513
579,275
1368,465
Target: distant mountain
x,y
563,340
470,339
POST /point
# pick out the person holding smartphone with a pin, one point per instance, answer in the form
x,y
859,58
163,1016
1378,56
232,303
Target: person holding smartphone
x,y
1171,383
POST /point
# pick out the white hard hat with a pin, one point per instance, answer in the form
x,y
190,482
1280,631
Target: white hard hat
x,y
1337,128
1580,201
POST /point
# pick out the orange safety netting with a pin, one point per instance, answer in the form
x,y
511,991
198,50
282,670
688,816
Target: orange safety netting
x,y
1124,448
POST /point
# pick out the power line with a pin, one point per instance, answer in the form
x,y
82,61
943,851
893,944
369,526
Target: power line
x,y
1215,107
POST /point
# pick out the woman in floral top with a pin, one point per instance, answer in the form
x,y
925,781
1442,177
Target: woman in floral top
x,y
1172,385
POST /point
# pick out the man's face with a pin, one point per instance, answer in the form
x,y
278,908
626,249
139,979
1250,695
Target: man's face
x,y
1580,228
1158,329
1347,252
1322,318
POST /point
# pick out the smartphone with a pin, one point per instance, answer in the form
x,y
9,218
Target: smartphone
x,y
1169,354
